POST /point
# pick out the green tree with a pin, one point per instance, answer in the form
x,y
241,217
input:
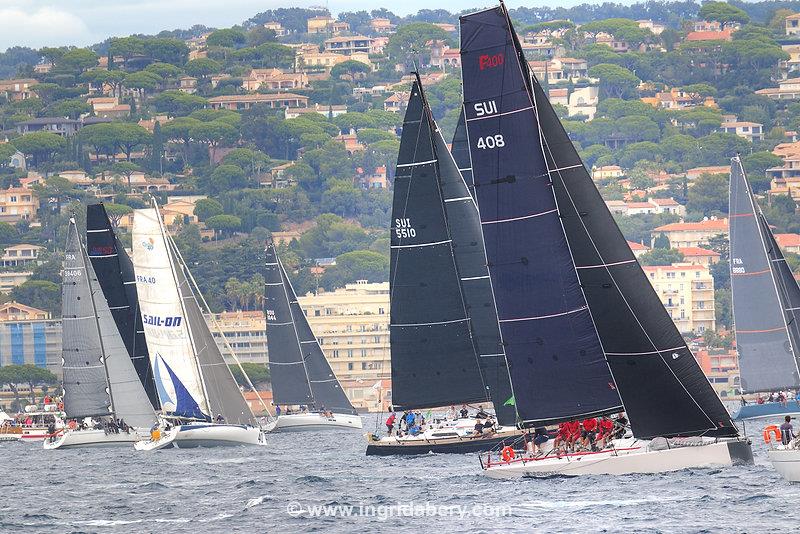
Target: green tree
x,y
178,103
165,70
258,374
356,265
756,165
180,129
350,70
72,108
260,35
214,133
661,256
33,376
709,195
40,146
202,67
227,38
206,208
39,294
224,224
77,60
661,241
143,81
225,178
116,212
126,169
615,81
409,42
723,12
108,137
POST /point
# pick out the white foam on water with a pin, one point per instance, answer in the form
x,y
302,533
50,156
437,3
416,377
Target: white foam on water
x,y
256,501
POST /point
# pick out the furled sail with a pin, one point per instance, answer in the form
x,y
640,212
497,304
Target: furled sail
x,y
115,273
165,325
434,359
558,369
299,372
660,383
765,295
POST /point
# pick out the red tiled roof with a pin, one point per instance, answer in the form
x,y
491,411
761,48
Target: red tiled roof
x,y
788,240
720,225
698,252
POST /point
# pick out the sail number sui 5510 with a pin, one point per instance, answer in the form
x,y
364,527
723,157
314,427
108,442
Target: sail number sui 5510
x,y
403,228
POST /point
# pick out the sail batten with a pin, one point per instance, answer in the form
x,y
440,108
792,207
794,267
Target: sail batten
x,y
763,291
299,371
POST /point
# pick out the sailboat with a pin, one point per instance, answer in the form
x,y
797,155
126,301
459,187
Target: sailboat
x,y
100,381
196,389
444,339
114,271
766,299
300,374
585,333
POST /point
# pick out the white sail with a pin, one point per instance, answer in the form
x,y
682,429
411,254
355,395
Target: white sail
x,y
166,328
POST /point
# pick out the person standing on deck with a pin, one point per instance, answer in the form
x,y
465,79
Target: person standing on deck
x,y
787,431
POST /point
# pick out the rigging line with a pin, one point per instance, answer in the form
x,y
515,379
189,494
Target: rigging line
x,y
404,325
624,298
418,245
641,353
537,317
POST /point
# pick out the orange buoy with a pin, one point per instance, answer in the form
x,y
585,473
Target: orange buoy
x,y
508,454
770,431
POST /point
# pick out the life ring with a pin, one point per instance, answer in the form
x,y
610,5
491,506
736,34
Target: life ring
x,y
769,431
508,454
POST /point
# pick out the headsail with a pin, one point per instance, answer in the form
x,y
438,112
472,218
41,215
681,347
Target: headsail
x,y
115,273
765,295
434,360
299,372
86,391
224,395
165,324
558,369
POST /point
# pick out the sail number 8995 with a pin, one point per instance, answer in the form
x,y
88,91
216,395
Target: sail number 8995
x,y
491,141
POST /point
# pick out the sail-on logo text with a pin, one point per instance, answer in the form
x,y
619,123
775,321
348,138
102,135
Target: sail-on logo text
x,y
148,245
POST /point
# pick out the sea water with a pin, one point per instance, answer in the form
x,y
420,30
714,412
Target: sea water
x,y
322,481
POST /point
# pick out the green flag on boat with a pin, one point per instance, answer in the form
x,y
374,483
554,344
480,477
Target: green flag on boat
x,y
510,401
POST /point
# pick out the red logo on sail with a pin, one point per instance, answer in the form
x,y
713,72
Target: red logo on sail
x,y
489,62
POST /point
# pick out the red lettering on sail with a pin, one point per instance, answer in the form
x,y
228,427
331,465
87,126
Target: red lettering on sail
x,y
489,62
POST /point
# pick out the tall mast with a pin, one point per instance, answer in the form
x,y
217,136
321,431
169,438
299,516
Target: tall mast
x,y
183,306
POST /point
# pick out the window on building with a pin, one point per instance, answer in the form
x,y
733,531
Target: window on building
x,y
349,366
317,313
349,353
335,354
363,353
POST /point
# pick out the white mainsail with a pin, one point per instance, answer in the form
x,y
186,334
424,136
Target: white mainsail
x,y
179,383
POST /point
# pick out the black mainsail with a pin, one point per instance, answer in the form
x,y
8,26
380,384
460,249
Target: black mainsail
x,y
557,258
434,358
550,340
299,372
99,377
470,253
765,295
115,274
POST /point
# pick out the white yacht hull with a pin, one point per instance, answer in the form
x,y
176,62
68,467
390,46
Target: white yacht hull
x,y
629,456
216,435
74,439
166,441
314,421
786,462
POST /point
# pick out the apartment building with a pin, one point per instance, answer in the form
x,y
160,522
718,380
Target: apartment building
x,y
687,292
17,204
691,234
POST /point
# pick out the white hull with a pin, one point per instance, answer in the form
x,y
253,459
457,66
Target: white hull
x,y
73,439
786,462
314,421
216,435
630,456
35,434
166,441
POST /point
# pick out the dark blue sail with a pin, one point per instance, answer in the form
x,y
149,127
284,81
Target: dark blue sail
x,y
186,406
557,365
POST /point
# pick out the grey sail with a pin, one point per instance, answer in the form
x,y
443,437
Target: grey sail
x,y
300,373
762,295
86,391
224,395
130,398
